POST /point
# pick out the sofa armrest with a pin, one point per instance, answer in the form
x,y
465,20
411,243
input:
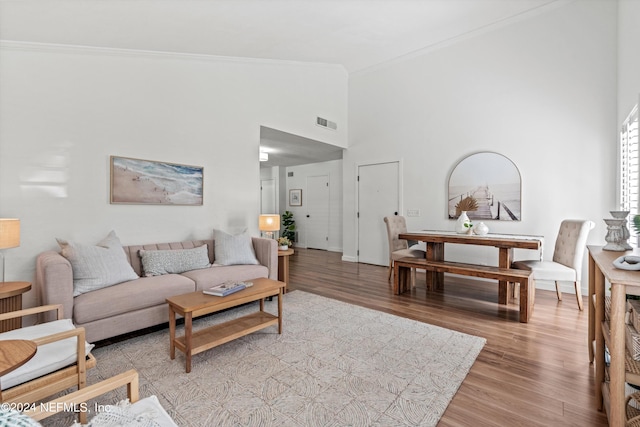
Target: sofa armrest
x,y
54,282
267,253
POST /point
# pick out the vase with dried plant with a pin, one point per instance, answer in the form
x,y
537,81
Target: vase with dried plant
x,y
464,224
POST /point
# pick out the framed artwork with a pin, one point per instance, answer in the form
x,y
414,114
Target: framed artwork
x,y
135,181
295,197
487,186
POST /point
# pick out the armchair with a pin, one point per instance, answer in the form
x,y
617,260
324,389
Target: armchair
x,y
61,360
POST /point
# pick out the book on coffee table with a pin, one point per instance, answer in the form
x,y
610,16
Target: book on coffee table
x,y
225,289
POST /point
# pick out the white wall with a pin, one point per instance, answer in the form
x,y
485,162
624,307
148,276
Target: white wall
x,y
64,111
333,169
628,56
541,91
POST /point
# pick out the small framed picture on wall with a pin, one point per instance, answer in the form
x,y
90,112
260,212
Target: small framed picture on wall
x,y
295,197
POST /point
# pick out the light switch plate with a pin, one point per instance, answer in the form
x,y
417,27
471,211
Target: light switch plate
x,y
413,212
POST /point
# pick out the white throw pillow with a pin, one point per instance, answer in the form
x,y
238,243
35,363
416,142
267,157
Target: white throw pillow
x,y
167,261
49,357
233,250
147,412
99,266
12,418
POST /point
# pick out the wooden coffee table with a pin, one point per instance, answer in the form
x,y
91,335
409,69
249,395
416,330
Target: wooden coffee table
x,y
196,304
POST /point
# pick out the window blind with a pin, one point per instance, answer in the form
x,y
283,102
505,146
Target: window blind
x,y
629,171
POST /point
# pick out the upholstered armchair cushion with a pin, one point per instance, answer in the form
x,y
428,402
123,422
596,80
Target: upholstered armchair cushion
x,y
49,357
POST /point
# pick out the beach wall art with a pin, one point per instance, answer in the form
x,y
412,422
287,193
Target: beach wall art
x,y
135,181
487,186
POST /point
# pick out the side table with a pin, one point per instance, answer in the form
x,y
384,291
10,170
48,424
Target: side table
x,y
283,266
11,300
15,353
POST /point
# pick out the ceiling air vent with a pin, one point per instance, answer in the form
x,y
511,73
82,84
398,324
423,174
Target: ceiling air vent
x,y
326,123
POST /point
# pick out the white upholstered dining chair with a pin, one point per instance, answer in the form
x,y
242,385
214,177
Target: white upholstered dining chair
x,y
399,248
566,265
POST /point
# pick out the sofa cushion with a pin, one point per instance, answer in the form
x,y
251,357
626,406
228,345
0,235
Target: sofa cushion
x,y
218,274
156,263
99,266
233,250
49,357
129,296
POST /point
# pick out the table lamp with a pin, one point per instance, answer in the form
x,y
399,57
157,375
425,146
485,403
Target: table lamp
x,y
9,236
268,224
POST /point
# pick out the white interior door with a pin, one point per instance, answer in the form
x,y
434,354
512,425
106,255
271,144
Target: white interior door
x,y
317,220
268,196
378,196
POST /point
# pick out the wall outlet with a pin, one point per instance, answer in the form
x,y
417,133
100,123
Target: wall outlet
x,y
413,212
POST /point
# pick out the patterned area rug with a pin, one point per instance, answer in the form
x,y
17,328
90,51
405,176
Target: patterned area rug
x,y
335,364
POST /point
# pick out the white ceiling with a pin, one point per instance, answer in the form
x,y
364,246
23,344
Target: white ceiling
x,y
356,34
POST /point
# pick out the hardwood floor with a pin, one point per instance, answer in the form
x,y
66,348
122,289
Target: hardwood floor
x,y
528,374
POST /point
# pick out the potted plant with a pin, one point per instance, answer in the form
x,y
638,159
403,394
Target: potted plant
x,y
283,243
289,226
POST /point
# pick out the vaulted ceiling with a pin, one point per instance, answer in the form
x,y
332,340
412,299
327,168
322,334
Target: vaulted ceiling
x,y
355,34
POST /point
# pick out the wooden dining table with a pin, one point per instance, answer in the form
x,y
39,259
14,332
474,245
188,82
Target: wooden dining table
x,y
506,243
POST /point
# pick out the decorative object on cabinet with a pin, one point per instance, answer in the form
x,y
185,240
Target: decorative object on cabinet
x,y
492,181
628,262
135,181
269,223
566,264
481,229
614,235
295,197
625,230
463,224
9,236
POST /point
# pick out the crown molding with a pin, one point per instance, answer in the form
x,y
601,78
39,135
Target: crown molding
x,y
108,51
552,5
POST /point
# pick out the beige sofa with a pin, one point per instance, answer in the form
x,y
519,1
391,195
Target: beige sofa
x,y
140,303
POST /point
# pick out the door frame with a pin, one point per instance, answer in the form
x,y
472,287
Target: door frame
x,y
356,219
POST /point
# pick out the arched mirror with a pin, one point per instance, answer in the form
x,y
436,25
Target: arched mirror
x,y
487,186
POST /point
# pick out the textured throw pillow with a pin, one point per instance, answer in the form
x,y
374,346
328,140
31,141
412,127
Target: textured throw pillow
x,y
147,412
99,266
12,418
233,250
158,262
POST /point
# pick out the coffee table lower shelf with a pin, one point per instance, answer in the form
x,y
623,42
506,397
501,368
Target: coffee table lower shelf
x,y
216,335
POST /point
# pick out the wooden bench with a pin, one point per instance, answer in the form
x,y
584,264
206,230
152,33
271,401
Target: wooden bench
x,y
403,268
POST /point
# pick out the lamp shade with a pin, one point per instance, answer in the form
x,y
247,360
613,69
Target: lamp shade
x,y
9,233
269,222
